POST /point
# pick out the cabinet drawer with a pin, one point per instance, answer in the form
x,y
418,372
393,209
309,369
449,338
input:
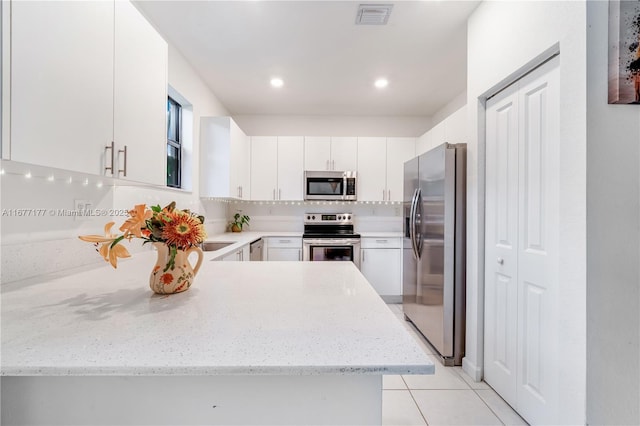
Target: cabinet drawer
x,y
381,242
284,242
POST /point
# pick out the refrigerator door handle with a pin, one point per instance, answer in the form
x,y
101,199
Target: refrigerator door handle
x,y
412,223
417,232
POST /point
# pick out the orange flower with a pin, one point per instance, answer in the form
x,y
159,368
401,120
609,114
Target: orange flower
x,y
183,230
132,227
166,279
110,249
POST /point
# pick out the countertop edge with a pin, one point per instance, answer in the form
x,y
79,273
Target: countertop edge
x,y
217,371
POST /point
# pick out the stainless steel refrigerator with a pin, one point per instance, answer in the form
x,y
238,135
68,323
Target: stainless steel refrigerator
x,y
434,248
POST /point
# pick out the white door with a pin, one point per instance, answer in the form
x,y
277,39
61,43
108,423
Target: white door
x,y
522,214
344,153
501,241
264,170
140,97
317,153
62,84
290,173
399,150
372,163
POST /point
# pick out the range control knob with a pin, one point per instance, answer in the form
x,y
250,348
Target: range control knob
x,y
313,217
339,217
308,217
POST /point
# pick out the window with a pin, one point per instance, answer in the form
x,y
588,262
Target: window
x,y
174,143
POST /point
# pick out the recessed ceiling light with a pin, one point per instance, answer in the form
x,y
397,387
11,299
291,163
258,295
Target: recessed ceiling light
x,y
381,83
277,82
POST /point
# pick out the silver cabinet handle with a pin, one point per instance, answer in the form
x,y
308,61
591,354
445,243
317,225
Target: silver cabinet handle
x,y
363,252
333,164
284,241
382,241
274,193
389,195
327,165
279,194
241,192
111,147
124,170
299,255
500,261
384,195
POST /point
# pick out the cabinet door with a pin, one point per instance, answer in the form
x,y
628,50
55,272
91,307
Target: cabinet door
x,y
382,268
140,96
317,153
239,183
371,169
231,257
264,172
62,84
286,254
290,172
344,153
245,178
399,150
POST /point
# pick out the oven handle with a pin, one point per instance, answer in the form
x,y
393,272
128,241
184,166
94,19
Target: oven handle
x,y
331,241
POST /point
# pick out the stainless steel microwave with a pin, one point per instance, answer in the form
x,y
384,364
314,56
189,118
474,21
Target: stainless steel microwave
x,y
330,185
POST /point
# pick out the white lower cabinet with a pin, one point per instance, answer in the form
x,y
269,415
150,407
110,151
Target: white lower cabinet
x,y
381,264
287,249
241,255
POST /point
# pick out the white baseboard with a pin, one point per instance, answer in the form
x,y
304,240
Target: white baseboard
x,y
471,369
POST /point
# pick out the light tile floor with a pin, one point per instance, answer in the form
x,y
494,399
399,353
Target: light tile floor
x,y
448,397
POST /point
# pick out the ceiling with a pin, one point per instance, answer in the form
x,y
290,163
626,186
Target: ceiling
x,y
328,63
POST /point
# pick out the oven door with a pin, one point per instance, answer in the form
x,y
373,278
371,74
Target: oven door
x,y
331,250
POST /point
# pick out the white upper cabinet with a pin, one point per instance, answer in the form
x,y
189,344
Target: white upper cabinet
x,y
62,83
140,97
330,153
344,153
290,172
264,169
276,167
399,150
372,165
224,158
381,167
317,153
84,75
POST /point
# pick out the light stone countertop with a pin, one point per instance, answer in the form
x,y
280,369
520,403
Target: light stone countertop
x,y
376,234
238,318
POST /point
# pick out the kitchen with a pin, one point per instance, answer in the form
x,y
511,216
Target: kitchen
x,y
598,276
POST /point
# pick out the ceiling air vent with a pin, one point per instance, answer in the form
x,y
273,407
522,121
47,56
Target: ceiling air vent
x,y
373,14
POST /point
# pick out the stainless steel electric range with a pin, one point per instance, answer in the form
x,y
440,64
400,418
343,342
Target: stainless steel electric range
x,y
330,237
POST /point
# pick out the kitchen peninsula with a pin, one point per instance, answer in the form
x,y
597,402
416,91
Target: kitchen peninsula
x,y
249,343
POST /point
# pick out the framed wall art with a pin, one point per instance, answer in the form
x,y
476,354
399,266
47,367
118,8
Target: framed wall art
x,y
624,51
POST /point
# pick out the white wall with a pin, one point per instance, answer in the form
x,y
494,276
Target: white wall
x,y
329,125
503,40
613,233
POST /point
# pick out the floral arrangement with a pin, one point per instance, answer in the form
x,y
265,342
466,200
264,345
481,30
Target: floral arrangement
x,y
178,229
